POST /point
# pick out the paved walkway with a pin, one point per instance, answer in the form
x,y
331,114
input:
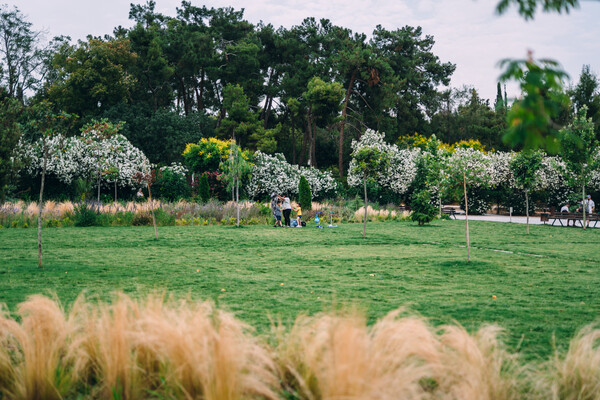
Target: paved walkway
x,y
535,220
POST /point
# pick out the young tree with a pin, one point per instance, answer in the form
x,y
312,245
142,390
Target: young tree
x,y
147,177
524,167
44,122
580,152
368,162
423,209
235,168
464,167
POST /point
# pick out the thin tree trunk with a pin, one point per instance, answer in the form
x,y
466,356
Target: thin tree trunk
x,y
365,219
583,205
313,147
237,200
467,217
527,209
41,206
115,191
343,124
310,138
152,211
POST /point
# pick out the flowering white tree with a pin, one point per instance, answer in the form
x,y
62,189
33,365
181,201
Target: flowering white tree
x,y
273,174
113,159
397,174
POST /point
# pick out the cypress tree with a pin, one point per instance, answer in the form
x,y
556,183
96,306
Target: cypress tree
x,y
203,188
304,195
499,103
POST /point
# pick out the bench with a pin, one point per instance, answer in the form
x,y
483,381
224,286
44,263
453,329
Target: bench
x,y
449,211
575,217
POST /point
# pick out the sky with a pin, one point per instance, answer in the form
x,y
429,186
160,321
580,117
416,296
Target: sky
x,y
467,33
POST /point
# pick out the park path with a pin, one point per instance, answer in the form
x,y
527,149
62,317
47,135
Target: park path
x,y
535,220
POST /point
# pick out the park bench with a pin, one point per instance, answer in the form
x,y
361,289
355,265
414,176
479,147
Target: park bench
x,y
449,211
575,217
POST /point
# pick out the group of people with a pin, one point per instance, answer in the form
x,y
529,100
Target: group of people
x,y
281,205
588,204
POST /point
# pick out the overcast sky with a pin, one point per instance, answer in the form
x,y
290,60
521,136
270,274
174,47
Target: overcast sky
x,y
467,32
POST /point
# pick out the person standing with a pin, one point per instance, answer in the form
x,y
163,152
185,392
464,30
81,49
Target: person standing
x,y
286,208
590,206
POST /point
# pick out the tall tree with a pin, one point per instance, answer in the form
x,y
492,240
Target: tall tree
x,y
324,100
21,56
93,76
10,132
587,93
580,152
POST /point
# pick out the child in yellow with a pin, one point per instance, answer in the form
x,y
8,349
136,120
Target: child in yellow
x,y
299,216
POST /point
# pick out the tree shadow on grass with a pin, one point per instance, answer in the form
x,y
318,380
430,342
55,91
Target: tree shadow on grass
x,y
474,266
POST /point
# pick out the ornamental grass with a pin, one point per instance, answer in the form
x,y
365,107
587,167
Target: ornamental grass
x,y
160,347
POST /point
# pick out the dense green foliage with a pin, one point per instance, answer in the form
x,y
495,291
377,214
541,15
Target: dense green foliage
x,y
9,136
204,188
543,289
304,194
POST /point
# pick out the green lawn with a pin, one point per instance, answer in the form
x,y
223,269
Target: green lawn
x,y
545,284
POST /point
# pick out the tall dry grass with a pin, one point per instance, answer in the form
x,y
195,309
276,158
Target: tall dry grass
x,y
33,362
166,348
576,374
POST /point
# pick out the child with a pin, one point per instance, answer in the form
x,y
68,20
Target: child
x,y
278,215
299,216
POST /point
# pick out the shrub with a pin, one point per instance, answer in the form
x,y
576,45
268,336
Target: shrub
x,y
84,216
304,195
171,186
204,189
141,218
423,211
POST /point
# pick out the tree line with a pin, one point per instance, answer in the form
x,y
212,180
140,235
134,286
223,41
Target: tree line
x,y
304,91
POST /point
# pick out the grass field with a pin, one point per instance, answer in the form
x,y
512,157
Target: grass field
x,y
545,284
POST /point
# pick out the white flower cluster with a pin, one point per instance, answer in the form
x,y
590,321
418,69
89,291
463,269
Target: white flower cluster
x,y
114,158
273,174
402,167
175,168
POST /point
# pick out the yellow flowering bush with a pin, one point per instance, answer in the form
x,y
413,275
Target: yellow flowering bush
x,y
207,154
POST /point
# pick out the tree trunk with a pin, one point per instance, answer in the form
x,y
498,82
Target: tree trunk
x,y
583,205
365,219
150,202
313,147
115,191
343,124
527,209
467,217
237,200
310,136
41,206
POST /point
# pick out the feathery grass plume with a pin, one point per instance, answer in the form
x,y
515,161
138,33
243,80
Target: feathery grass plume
x,y
207,352
103,348
337,356
36,349
9,356
477,367
32,209
576,375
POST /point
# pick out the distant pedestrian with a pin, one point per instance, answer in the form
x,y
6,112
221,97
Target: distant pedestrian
x,y
286,208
